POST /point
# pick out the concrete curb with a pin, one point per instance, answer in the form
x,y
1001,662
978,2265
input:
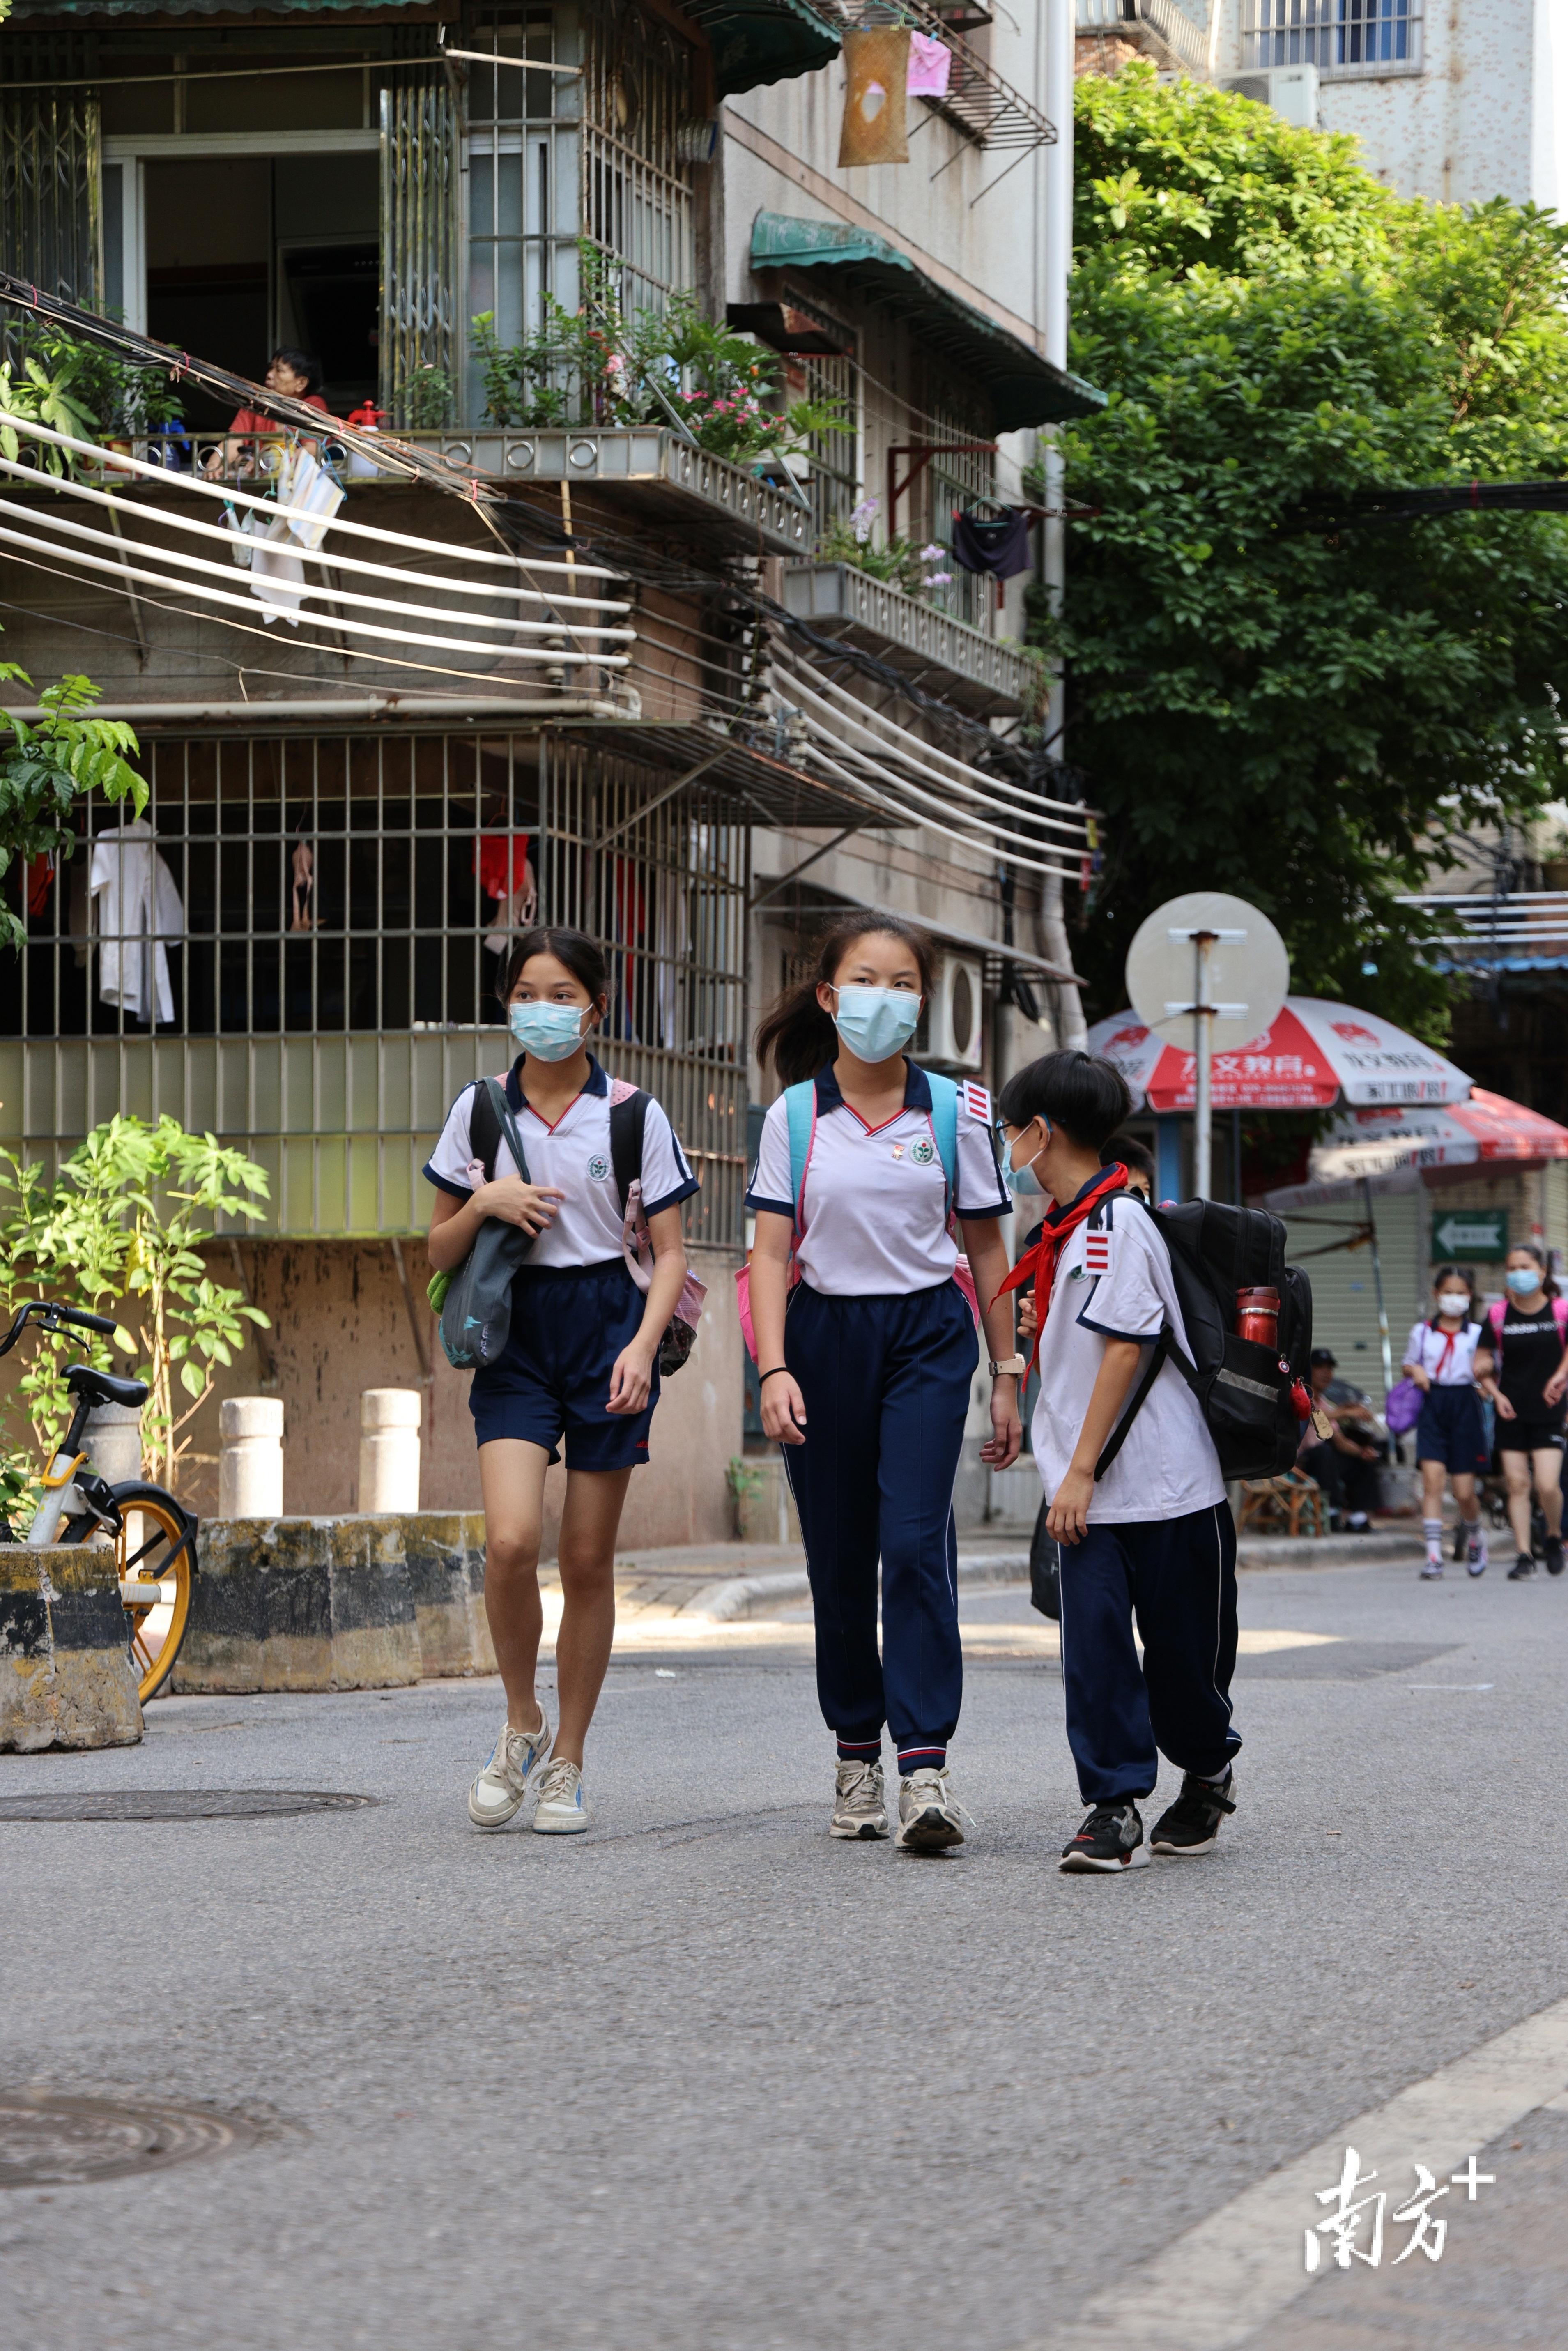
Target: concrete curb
x,y
64,1651
750,1596
444,1552
300,1605
1326,1550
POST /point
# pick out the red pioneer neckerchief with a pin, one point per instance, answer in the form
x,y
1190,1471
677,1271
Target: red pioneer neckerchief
x,y
1038,1264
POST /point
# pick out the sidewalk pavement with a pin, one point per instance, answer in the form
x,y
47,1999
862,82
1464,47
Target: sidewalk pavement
x,y
725,1584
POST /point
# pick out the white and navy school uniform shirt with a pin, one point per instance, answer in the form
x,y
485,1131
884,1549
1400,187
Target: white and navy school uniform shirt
x,y
875,1199
572,1157
1114,1281
1447,1357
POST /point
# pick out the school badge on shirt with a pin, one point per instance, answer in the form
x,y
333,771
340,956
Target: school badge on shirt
x,y
599,1167
923,1153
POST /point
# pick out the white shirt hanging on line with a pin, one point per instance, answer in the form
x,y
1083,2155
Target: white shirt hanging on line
x,y
137,907
265,548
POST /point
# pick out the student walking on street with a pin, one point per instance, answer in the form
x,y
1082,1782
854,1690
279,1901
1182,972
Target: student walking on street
x,y
1450,1440
580,1362
865,1364
1151,1538
1521,1365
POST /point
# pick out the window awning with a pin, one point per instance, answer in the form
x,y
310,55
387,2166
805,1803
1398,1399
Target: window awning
x,y
1025,388
757,41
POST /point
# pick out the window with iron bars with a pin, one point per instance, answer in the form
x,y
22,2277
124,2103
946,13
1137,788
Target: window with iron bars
x,y
1340,37
293,908
558,158
835,485
956,478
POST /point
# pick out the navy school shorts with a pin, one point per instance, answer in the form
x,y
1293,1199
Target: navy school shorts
x,y
568,1324
1451,1430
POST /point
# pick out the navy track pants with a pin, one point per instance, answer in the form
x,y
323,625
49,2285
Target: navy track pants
x,y
1177,1576
885,1382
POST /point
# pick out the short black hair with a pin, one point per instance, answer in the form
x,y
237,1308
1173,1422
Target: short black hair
x,y
583,957
303,363
1135,1156
1086,1097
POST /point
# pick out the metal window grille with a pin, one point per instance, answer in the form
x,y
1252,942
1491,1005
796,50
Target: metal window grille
x,y
638,100
835,484
419,235
51,195
1339,36
958,478
524,150
309,1022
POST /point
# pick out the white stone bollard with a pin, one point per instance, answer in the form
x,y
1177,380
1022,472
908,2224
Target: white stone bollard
x,y
250,1457
389,1448
113,1442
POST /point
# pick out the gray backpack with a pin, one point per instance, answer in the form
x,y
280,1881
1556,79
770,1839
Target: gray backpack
x,y
475,1305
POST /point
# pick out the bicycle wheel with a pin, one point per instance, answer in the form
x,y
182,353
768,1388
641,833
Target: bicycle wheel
x,y
155,1557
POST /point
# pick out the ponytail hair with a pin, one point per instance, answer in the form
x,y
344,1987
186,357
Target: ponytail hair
x,y
795,1032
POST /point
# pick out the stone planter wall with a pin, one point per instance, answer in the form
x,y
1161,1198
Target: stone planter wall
x,y
65,1665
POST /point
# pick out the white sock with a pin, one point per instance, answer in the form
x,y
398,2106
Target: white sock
x,y
1432,1531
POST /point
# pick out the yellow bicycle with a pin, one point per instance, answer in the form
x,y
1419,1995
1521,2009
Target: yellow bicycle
x,y
154,1536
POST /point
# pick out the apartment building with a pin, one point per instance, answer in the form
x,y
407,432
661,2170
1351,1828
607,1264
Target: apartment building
x,y
706,738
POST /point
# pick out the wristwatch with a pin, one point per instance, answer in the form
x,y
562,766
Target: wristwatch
x,y
1010,1366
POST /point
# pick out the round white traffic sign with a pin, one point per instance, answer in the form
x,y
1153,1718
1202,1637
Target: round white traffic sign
x,y
1248,969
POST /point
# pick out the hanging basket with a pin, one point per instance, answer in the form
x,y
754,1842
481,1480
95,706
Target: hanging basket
x,y
876,114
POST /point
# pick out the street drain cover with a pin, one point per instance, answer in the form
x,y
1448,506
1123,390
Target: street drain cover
x,y
176,1803
47,2142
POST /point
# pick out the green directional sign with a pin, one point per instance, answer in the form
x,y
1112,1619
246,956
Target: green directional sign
x,y
1464,1233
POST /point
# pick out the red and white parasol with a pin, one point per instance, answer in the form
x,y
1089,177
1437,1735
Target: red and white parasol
x,y
1314,1055
1385,1147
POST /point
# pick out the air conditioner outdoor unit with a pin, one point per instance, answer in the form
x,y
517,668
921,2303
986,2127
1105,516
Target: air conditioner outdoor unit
x,y
954,1023
1290,91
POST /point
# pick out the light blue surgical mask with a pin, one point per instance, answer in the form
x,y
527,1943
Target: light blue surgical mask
x,y
547,1032
1022,1182
1523,1279
876,1022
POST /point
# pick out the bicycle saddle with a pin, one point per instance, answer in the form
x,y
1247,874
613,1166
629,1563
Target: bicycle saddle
x,y
102,1387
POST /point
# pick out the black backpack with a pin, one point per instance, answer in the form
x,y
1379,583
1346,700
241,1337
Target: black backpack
x,y
628,1122
1246,1389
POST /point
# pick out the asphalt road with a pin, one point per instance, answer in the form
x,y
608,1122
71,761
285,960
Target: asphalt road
x,y
706,2078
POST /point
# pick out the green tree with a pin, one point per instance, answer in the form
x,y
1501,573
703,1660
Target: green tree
x,y
47,763
1307,717
121,1228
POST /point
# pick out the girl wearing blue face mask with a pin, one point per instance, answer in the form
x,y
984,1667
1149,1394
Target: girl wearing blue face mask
x,y
580,1364
869,1169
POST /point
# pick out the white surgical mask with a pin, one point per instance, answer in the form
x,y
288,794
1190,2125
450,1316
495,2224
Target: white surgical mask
x,y
1022,1182
1452,1303
876,1022
547,1032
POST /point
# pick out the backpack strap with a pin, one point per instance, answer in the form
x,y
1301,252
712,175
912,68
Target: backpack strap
x,y
493,1091
1560,1316
484,1127
945,1131
800,1110
628,1123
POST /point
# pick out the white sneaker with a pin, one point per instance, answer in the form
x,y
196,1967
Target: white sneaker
x,y
501,1786
929,1814
859,1807
562,1809
1476,1553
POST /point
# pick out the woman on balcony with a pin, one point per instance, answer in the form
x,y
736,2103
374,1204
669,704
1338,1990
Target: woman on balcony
x,y
580,1364
868,1167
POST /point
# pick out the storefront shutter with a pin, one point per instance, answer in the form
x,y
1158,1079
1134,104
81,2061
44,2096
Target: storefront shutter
x,y
420,275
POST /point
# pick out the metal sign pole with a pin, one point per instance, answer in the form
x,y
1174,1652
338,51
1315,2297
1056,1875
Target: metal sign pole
x,y
1378,1284
1203,1048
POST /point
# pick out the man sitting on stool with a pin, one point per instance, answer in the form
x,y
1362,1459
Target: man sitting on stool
x,y
1345,1464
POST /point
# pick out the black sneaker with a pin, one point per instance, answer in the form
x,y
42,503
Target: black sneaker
x,y
1191,1824
1112,1838
1553,1555
1522,1566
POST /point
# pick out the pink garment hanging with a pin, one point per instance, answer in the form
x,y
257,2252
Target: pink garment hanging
x,y
930,67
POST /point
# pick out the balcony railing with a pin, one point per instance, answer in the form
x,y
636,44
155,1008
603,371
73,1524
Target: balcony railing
x,y
1514,930
948,656
986,109
1172,35
671,479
